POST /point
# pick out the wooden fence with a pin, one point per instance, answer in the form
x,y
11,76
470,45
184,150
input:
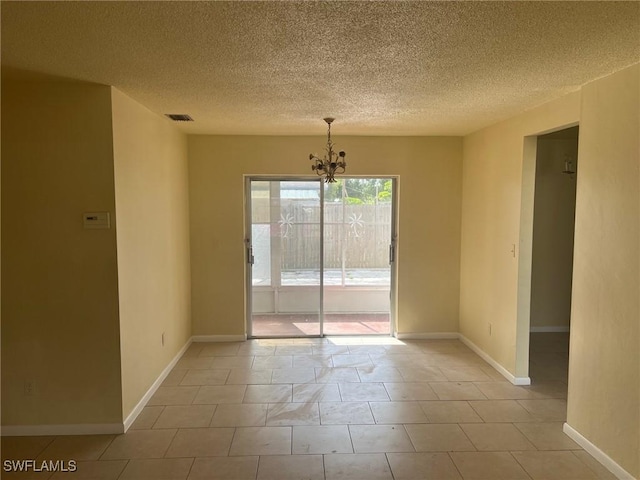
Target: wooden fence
x,y
358,234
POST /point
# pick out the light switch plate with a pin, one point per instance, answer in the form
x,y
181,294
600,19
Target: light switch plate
x,y
96,220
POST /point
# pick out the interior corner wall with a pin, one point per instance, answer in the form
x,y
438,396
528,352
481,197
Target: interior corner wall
x,y
604,369
59,281
429,170
491,255
152,205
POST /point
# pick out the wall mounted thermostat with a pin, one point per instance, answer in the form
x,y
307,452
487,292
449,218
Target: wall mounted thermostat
x,y
96,220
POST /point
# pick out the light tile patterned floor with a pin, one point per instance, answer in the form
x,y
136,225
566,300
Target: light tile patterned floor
x,y
361,408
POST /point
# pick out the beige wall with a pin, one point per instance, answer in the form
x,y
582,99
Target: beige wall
x,y
59,281
151,192
604,367
493,202
497,211
553,225
429,217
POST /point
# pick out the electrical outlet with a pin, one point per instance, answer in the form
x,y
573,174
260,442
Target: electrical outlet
x,y
29,387
163,339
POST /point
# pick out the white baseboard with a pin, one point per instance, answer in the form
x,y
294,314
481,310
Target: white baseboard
x,y
68,429
559,329
596,453
427,336
93,428
145,398
219,338
487,358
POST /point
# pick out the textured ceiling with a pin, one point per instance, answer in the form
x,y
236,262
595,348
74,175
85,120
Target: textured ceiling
x,y
380,68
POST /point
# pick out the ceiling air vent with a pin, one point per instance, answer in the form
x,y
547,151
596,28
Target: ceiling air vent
x,y
179,117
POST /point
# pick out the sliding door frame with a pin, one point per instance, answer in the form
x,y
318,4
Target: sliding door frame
x,y
248,254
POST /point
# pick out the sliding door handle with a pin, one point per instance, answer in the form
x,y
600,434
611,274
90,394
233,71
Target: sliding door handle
x,y
392,250
249,249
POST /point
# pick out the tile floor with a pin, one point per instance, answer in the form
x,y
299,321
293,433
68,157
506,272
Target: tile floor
x,y
362,408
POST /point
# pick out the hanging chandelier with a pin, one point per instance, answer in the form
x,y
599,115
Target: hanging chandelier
x,y
332,163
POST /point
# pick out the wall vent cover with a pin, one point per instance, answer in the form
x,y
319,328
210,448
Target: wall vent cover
x,y
179,117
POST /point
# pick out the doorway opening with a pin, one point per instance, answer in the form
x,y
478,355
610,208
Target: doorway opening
x,y
319,256
552,255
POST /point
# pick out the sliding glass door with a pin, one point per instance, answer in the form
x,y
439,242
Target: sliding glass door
x,y
285,251
358,219
318,257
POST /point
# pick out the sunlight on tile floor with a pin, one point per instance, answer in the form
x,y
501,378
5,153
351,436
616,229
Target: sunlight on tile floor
x,y
362,408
